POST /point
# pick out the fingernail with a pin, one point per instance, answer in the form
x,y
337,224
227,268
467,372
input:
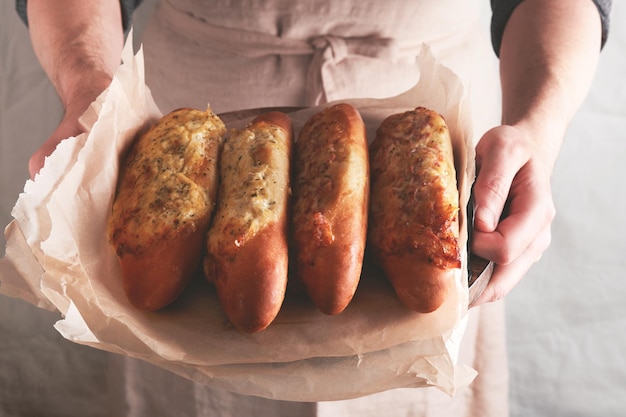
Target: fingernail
x,y
485,218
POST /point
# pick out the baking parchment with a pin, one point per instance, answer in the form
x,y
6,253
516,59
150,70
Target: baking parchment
x,y
58,258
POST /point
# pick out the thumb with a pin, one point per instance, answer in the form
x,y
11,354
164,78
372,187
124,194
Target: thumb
x,y
497,161
68,127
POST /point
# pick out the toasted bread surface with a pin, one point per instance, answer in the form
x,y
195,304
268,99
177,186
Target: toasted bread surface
x,y
331,191
165,197
247,251
414,230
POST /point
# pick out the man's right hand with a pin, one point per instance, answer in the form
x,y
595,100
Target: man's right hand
x,y
79,45
68,127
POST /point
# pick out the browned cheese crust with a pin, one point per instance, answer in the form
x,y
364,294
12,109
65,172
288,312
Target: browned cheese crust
x,y
331,191
247,255
413,230
164,200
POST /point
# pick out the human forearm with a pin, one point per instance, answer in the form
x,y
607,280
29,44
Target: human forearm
x,y
78,44
548,57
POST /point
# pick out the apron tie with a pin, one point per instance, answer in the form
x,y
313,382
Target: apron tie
x,y
331,55
323,77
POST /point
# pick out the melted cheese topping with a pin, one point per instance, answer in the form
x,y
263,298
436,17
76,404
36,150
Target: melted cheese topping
x,y
254,174
414,199
165,186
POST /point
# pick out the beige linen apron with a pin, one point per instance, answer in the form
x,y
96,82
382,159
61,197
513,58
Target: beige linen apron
x,y
238,54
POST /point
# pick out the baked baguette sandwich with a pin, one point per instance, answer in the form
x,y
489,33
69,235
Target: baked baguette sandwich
x,y
165,197
414,209
330,205
247,250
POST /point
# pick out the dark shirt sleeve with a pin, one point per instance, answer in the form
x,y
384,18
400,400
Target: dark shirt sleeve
x,y
128,7
502,9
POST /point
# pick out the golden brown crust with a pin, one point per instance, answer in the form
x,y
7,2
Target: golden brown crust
x,y
156,277
414,209
273,118
329,220
247,255
251,285
164,200
420,285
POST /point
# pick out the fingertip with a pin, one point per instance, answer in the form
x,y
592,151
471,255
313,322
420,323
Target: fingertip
x,y
35,164
493,292
482,298
485,220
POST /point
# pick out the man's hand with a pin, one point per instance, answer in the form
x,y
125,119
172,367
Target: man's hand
x,y
79,45
548,56
514,207
68,127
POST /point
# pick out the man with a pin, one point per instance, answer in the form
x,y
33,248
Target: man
x,y
547,50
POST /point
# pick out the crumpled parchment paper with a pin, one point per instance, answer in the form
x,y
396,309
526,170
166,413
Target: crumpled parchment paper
x,y
58,258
